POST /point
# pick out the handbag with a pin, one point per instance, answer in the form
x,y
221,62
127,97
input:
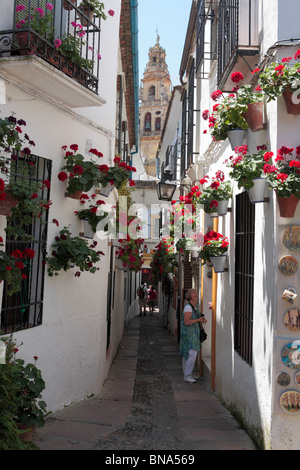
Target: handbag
x,y
203,335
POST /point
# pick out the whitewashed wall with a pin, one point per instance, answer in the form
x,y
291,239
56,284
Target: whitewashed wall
x,y
71,342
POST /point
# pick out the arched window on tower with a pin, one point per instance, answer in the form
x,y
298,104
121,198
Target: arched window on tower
x,y
147,126
157,124
151,93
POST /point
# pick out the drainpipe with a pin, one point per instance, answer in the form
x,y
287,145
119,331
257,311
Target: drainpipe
x,y
213,318
135,62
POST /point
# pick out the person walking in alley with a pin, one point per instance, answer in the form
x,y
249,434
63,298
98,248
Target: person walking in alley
x,y
190,335
151,299
142,293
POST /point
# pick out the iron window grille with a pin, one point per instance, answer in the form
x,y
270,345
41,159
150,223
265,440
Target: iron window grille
x,y
190,112
24,309
244,276
24,37
183,162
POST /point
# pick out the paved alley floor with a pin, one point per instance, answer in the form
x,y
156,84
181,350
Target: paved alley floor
x,y
145,405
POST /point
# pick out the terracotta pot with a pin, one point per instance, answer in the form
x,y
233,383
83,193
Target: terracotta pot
x,y
292,102
255,116
75,195
26,432
287,205
67,5
87,12
7,204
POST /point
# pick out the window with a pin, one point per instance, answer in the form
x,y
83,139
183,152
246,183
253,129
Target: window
x,y
157,124
244,276
147,126
151,93
24,309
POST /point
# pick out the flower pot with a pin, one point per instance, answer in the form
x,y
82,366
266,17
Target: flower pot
x,y
218,263
292,102
68,5
255,116
75,195
106,190
222,207
287,205
257,192
236,137
26,432
7,204
194,252
88,232
87,12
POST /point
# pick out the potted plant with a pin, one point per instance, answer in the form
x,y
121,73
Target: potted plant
x,y
248,170
163,260
39,20
26,385
81,175
130,254
214,250
115,176
20,392
284,178
13,267
228,117
28,203
71,46
91,215
91,8
69,251
215,197
282,79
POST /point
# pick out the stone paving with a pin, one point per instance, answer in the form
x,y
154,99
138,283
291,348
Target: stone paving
x,y
145,405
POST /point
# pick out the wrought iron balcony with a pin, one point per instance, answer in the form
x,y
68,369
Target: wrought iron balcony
x,y
238,44
62,33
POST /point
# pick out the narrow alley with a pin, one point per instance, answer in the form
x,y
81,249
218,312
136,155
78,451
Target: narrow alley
x,y
145,404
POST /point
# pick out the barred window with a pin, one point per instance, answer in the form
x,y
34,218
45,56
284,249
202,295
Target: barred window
x,y
24,309
244,276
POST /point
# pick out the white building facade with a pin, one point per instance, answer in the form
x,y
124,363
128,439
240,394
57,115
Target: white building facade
x,y
248,334
81,319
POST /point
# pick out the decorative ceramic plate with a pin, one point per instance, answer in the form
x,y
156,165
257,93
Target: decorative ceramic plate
x,y
290,355
288,265
291,238
291,320
290,401
284,379
297,378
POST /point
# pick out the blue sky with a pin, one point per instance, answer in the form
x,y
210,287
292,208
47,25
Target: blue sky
x,y
170,19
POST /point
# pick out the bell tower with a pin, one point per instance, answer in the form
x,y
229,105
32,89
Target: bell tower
x,y
155,94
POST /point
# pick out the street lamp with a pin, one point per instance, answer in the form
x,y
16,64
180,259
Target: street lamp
x,y
165,187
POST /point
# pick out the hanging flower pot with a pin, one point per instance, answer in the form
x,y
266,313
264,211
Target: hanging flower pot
x,y
218,263
7,204
194,252
87,12
68,5
236,137
75,195
287,205
257,192
88,232
291,107
106,190
26,432
255,116
222,207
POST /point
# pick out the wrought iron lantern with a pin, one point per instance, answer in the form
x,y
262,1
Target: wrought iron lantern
x,y
165,187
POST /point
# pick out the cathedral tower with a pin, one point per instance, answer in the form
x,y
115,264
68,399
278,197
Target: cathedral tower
x,y
155,94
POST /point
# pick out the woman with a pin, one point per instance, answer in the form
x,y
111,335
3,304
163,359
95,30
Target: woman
x,y
190,335
151,299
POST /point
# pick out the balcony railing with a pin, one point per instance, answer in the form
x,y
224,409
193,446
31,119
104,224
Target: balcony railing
x,y
237,35
61,33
